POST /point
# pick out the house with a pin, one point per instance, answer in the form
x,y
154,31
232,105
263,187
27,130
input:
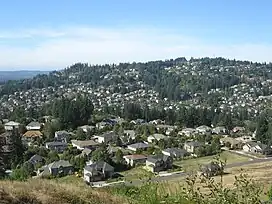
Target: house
x,y
254,147
159,163
187,132
238,129
175,152
245,139
135,159
203,129
86,152
11,125
82,144
56,146
156,137
103,124
87,128
211,169
62,136
157,122
166,128
138,146
33,126
97,171
57,168
106,137
31,136
36,159
138,121
219,130
232,142
192,146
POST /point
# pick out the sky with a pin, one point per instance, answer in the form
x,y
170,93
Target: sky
x,y
54,34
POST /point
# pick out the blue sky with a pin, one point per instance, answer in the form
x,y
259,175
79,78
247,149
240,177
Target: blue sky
x,y
54,34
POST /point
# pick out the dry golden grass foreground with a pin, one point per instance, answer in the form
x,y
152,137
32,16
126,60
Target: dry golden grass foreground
x,y
36,191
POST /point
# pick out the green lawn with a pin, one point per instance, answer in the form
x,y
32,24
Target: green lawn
x,y
193,164
71,179
136,173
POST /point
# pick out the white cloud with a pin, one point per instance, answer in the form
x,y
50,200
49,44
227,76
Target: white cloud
x,y
58,48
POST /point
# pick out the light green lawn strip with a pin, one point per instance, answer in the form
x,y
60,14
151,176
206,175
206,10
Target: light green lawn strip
x,y
136,173
193,164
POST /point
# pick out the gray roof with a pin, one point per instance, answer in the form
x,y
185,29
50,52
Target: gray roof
x,y
35,158
56,144
84,143
139,145
195,143
34,124
154,159
108,134
175,150
99,166
60,163
254,144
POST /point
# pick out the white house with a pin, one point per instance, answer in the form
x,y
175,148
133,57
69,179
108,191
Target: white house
x,y
33,126
135,159
106,137
11,125
138,146
156,137
82,144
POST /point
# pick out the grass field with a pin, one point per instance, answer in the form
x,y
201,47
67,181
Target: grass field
x,y
136,173
193,164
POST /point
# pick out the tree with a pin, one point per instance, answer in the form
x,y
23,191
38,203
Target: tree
x,y
80,135
17,148
52,156
2,165
119,156
101,154
2,129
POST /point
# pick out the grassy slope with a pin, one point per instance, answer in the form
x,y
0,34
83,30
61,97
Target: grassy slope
x,y
193,164
36,191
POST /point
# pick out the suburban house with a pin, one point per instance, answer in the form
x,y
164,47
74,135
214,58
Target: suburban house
x,y
138,121
135,159
62,136
86,152
36,159
232,142
106,137
192,146
238,129
31,136
157,122
245,139
11,125
138,146
103,124
166,128
159,163
255,147
156,137
175,152
87,128
82,144
33,126
57,168
130,134
187,132
203,129
56,146
211,169
97,171
219,130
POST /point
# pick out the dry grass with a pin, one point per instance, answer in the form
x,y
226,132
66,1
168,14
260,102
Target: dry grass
x,y
51,192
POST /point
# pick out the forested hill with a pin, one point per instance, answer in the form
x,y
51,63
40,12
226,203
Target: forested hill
x,y
210,91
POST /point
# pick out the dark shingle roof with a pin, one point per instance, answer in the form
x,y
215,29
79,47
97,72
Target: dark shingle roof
x,y
99,166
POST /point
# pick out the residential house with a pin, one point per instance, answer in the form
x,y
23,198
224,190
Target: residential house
x,y
103,124
255,147
188,132
11,125
135,159
57,168
86,152
97,171
232,142
138,146
159,163
238,129
31,136
245,139
106,137
82,144
211,169
192,146
157,122
62,136
33,126
219,130
138,121
56,146
128,137
36,159
203,130
156,137
87,128
175,152
167,129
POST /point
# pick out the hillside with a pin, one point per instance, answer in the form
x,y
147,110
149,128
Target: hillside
x,y
51,192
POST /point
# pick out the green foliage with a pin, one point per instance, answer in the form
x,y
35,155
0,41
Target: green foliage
x,y
101,154
52,156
